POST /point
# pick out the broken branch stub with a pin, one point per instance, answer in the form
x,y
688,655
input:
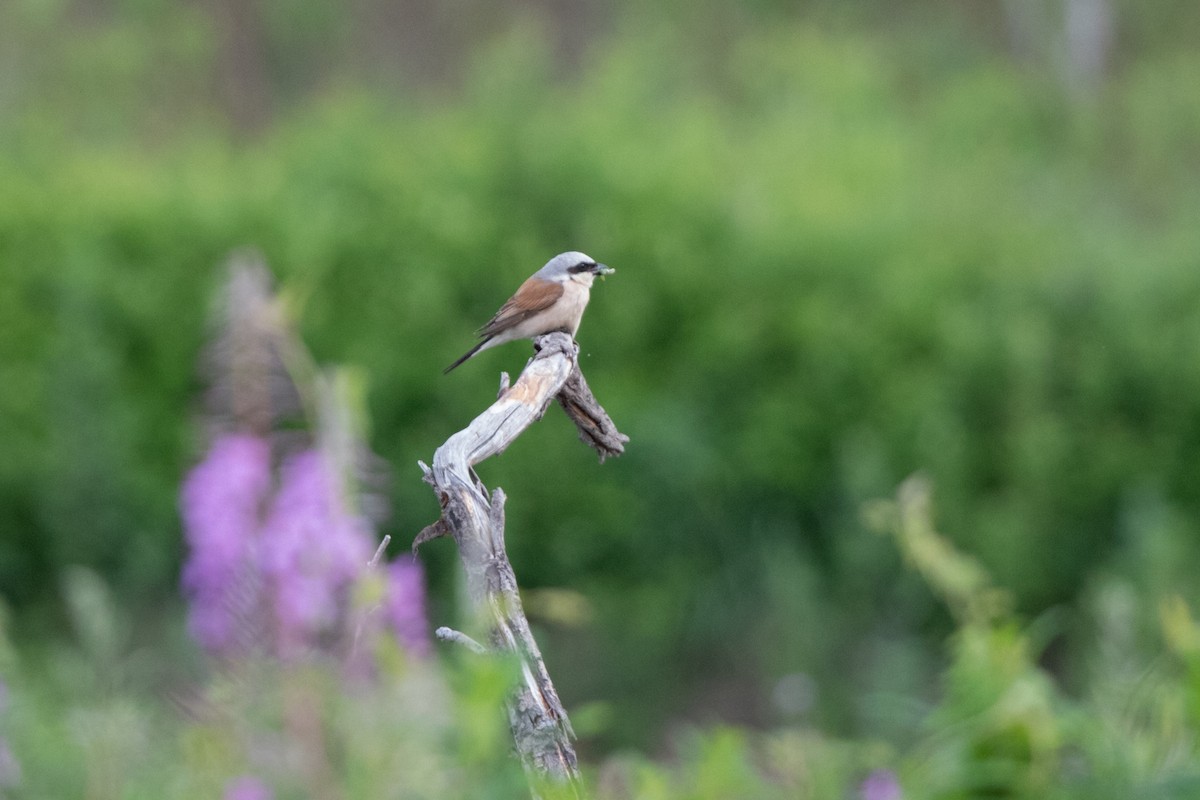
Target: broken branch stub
x,y
596,428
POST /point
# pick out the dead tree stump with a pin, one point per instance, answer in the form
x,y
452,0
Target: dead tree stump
x,y
474,518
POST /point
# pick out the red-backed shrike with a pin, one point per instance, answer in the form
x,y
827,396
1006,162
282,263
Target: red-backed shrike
x,y
553,299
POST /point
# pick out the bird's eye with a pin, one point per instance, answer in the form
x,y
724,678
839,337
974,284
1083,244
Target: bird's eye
x,y
583,266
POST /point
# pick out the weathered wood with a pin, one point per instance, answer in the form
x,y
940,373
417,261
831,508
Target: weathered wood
x,y
596,429
475,520
445,634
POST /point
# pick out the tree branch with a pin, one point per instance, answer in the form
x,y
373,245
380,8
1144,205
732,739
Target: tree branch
x,y
538,720
596,429
445,634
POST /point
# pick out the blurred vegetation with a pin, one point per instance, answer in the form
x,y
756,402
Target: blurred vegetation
x,y
86,725
851,242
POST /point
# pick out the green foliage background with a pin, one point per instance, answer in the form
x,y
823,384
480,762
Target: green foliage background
x,y
850,244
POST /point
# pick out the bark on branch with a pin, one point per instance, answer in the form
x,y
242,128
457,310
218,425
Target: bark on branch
x,y
475,520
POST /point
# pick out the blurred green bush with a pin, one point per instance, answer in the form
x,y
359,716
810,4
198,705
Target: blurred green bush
x,y
841,256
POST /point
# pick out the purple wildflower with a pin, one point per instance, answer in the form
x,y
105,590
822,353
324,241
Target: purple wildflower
x,y
311,552
881,784
221,505
406,605
248,787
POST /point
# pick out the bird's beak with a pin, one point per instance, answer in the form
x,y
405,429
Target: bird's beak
x,y
602,270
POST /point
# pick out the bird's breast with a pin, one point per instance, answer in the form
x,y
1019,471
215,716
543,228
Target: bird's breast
x,y
574,300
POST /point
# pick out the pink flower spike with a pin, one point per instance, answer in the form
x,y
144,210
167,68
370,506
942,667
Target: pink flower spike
x,y
221,504
406,605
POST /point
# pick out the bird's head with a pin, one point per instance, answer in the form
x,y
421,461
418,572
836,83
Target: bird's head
x,y
573,266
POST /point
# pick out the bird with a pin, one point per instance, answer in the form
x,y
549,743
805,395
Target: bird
x,y
552,299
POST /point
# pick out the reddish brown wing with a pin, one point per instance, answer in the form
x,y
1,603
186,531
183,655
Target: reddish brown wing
x,y
535,295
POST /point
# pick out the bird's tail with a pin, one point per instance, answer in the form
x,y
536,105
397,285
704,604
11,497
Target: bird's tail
x,y
468,354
